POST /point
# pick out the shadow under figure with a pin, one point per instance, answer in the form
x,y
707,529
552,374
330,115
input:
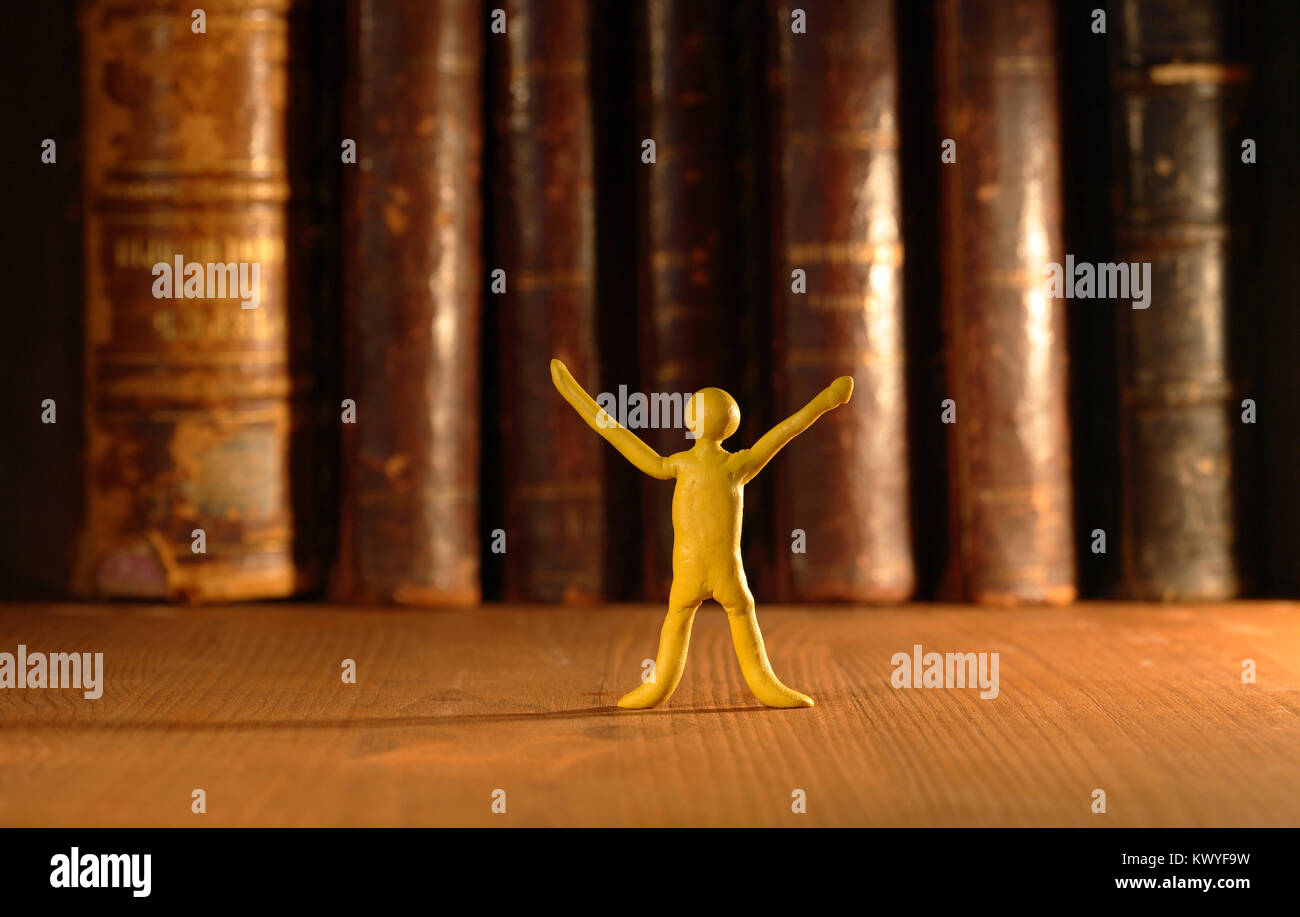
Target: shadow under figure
x,y
708,505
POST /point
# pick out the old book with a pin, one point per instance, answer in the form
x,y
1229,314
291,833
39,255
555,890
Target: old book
x,y
410,521
191,408
544,299
1007,404
688,320
842,504
1181,77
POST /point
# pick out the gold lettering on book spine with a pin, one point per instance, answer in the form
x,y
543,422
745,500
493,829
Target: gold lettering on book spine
x,y
190,402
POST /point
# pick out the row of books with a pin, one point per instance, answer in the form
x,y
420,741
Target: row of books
x,y
442,195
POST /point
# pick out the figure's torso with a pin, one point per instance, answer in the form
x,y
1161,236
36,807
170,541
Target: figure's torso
x,y
708,505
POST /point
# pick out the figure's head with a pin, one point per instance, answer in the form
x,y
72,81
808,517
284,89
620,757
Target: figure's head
x,y
712,414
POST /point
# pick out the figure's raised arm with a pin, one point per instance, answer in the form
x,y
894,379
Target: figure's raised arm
x,y
749,462
620,437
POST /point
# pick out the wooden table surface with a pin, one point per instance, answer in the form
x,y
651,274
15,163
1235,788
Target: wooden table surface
x,y
247,703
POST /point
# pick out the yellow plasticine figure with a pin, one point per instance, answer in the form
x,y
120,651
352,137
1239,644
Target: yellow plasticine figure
x,y
708,505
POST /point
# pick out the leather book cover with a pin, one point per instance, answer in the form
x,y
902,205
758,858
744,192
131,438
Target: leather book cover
x,y
191,407
410,511
842,500
542,186
1005,336
1182,78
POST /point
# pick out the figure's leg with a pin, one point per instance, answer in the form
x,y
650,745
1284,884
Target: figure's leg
x,y
748,641
674,641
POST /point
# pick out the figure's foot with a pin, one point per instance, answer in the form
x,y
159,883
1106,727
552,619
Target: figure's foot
x,y
778,695
647,695
762,681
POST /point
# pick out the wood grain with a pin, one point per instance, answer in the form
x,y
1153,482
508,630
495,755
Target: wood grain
x,y
246,702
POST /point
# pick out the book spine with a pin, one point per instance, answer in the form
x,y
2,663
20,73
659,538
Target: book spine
x,y
687,323
542,181
1181,79
1006,339
190,403
842,505
410,521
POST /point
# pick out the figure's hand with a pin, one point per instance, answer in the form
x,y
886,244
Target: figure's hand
x,y
749,462
620,437
565,383
839,392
